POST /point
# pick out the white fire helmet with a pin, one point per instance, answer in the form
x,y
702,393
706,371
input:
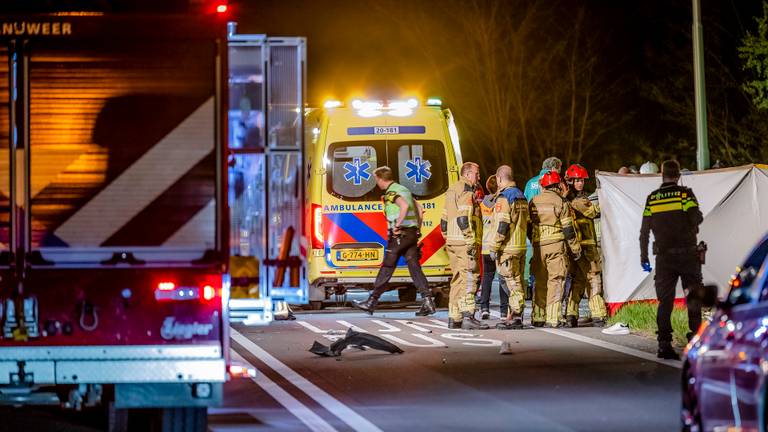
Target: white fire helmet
x,y
649,168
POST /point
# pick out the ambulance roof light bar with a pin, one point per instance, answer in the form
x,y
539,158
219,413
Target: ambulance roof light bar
x,y
330,104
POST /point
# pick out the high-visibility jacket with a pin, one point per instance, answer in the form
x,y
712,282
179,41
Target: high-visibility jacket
x,y
392,210
551,221
460,221
510,221
672,213
486,210
585,213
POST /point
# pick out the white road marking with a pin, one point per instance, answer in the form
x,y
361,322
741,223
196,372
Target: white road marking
x,y
350,325
343,412
301,411
609,345
431,343
388,328
614,347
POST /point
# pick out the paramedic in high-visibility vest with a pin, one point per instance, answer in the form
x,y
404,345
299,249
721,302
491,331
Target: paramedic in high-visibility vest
x,y
462,229
404,215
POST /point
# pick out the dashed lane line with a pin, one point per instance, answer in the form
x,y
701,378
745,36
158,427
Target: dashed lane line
x,y
293,405
343,412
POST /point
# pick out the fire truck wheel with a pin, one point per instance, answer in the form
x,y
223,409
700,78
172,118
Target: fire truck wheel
x,y
190,419
407,294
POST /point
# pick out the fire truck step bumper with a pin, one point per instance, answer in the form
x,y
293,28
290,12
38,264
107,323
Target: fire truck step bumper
x,y
114,371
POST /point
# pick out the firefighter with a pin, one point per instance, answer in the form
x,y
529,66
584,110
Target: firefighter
x,y
551,229
672,213
460,225
404,215
511,225
586,272
489,265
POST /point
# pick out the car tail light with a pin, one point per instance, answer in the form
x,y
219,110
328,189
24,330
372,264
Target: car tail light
x,y
317,226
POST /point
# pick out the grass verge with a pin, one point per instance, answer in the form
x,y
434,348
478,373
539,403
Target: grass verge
x,y
641,318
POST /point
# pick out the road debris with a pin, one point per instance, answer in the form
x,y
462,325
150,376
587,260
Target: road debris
x,y
355,339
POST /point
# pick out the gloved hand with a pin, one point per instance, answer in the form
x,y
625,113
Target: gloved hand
x,y
493,256
646,266
471,250
577,256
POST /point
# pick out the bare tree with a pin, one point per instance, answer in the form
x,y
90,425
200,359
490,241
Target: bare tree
x,y
524,80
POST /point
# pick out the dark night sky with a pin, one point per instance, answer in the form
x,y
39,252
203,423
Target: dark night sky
x,y
357,48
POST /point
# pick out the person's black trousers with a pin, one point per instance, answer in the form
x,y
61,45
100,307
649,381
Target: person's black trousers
x,y
670,267
405,244
489,274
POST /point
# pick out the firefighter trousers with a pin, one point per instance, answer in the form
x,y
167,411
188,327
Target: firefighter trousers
x,y
464,282
511,269
586,278
550,267
405,244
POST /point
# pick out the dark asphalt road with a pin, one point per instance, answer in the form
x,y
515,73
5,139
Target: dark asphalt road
x,y
447,380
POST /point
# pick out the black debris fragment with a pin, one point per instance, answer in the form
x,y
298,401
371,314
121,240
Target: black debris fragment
x,y
356,339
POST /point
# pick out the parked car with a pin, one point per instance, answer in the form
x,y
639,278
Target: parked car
x,y
726,363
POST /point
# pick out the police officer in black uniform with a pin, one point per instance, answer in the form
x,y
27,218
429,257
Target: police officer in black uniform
x,y
673,214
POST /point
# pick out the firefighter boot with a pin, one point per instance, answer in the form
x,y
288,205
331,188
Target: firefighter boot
x,y
666,351
469,322
571,321
368,306
427,307
453,324
515,323
598,322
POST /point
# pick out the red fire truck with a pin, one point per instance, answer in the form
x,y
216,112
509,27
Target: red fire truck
x,y
113,215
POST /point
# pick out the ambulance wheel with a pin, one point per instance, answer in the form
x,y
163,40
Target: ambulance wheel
x,y
407,294
316,304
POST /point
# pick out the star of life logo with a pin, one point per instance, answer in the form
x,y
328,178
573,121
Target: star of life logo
x,y
418,170
357,171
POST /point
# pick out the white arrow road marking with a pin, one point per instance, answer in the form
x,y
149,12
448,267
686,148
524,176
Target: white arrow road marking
x,y
343,412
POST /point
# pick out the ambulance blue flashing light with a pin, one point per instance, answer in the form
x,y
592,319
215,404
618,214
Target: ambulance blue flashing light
x,y
434,102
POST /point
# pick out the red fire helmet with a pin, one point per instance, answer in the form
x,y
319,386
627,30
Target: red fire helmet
x,y
576,171
550,178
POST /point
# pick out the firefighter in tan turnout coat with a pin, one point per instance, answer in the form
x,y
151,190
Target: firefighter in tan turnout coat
x,y
551,229
462,229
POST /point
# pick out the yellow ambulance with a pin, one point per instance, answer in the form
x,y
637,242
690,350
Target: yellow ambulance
x,y
345,230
